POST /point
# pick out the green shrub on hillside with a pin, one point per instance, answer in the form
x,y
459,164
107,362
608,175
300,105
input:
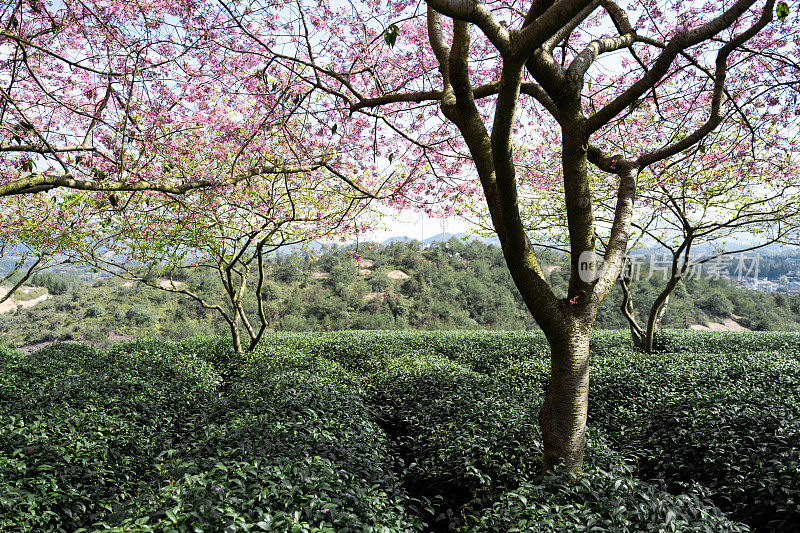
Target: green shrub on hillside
x,y
139,316
95,310
55,283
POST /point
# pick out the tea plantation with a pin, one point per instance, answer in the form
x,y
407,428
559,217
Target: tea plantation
x,y
397,432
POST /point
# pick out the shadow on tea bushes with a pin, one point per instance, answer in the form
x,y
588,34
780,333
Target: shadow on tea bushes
x,y
462,435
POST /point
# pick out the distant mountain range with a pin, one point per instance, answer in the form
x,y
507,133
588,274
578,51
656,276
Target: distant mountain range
x,y
442,237
14,252
697,251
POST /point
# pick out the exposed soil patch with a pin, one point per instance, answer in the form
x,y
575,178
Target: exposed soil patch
x,y
113,336
398,274
366,263
170,284
12,304
374,295
8,306
728,324
30,303
30,348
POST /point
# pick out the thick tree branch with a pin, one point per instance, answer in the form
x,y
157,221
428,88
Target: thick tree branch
x,y
620,230
568,28
543,27
505,216
43,182
577,69
715,116
674,47
482,91
33,149
478,14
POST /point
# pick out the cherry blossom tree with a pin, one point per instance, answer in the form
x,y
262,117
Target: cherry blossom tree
x,y
119,98
105,96
160,241
454,81
108,95
448,90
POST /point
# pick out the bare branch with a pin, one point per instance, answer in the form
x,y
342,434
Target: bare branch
x,y
674,47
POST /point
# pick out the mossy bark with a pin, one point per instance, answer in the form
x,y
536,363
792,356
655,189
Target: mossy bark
x,y
562,417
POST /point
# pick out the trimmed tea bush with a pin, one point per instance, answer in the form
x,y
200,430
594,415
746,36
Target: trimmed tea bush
x,y
213,349
731,424
81,431
600,500
463,435
138,438
482,351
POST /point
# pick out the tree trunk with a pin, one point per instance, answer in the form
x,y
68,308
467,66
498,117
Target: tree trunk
x,y
656,314
236,336
562,417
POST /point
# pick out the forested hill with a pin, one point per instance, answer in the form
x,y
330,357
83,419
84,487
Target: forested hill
x,y
457,285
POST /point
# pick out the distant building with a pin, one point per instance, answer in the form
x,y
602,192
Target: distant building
x,y
766,285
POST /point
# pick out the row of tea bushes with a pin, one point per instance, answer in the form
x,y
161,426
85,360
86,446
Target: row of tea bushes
x,y
385,431
729,420
290,447
601,500
464,420
82,431
484,350
139,438
727,342
729,423
471,447
366,351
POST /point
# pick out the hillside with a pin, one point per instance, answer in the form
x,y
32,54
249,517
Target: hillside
x,y
453,285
